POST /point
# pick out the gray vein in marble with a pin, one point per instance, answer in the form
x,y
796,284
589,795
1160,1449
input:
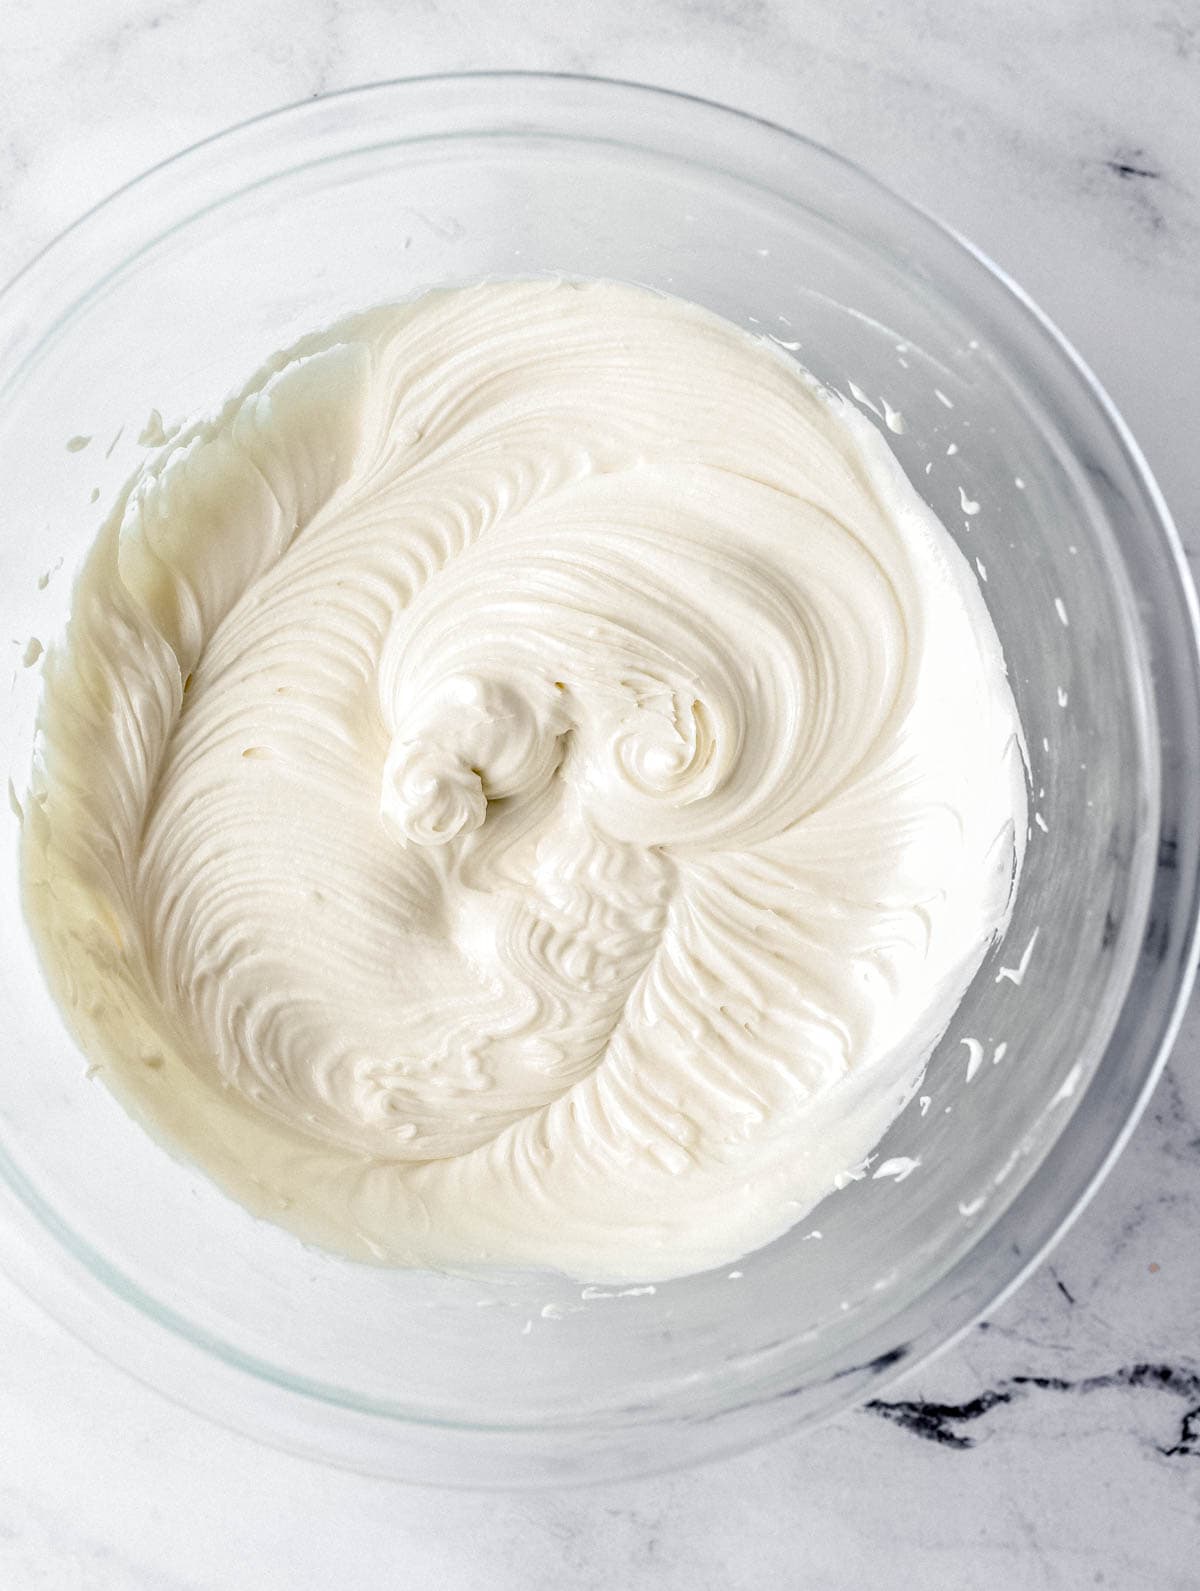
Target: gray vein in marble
x,y
38,1532
939,1422
1183,34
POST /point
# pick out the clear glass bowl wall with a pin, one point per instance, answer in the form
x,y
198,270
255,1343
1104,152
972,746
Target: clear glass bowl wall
x,y
169,296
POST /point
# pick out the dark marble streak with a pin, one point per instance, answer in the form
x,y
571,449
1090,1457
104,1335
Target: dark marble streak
x,y
1144,181
877,1366
938,1422
1062,1287
1128,169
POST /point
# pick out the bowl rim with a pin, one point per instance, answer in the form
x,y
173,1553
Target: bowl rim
x,y
60,1294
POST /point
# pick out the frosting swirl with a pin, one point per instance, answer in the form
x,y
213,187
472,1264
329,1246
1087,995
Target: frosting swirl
x,y
535,777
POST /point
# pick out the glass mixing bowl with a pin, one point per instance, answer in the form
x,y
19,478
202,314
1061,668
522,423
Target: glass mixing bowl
x,y
169,295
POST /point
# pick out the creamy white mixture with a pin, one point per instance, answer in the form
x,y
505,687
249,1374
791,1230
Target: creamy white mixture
x,y
528,782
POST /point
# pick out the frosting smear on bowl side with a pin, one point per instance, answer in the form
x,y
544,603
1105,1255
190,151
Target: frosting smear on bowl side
x,y
528,782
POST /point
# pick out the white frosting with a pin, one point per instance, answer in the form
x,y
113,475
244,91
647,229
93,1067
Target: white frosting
x,y
528,782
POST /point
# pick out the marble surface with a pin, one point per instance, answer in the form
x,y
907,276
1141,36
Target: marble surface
x,y
1059,1444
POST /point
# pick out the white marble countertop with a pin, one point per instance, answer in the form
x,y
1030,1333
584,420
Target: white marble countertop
x,y
1057,1446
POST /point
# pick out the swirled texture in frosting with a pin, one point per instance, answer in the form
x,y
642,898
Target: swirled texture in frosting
x,y
528,782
